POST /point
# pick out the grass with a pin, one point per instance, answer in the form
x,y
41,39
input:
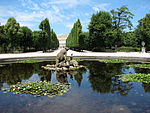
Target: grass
x,y
29,61
39,88
77,59
140,65
145,78
114,61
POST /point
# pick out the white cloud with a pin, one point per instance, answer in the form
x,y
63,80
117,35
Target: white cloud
x,y
26,24
30,4
69,25
103,7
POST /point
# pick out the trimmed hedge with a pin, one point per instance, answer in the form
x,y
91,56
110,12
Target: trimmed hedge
x,y
128,49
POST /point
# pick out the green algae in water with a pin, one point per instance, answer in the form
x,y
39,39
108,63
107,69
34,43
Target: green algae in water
x,y
114,61
39,88
29,61
77,59
140,65
145,78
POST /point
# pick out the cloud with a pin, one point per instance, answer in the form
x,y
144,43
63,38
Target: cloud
x,y
69,25
30,4
103,7
27,24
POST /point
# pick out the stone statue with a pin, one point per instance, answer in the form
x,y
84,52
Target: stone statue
x,y
61,57
73,62
62,64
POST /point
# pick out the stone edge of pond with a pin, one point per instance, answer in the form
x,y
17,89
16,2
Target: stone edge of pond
x,y
85,58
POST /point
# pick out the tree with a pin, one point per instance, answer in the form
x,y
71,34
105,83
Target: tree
x,y
99,28
26,41
36,35
143,31
83,40
129,39
121,20
73,37
3,39
45,27
13,32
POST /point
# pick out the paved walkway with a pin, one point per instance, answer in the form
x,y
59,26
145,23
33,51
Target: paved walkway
x,y
78,54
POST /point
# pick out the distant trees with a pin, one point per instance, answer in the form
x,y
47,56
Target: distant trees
x,y
49,39
16,38
74,36
107,31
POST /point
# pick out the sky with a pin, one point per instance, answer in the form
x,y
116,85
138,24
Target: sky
x,y
62,14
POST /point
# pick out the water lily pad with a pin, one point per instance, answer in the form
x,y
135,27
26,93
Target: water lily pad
x,y
145,78
140,65
114,61
39,88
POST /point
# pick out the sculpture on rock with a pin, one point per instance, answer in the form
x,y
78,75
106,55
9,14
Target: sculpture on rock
x,y
62,64
61,58
73,62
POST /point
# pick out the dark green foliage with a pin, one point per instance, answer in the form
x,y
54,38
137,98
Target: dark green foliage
x,y
36,40
143,31
13,34
15,38
99,30
121,20
128,49
26,40
129,39
74,36
49,39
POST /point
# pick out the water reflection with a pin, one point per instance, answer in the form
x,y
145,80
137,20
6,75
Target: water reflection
x,y
94,89
101,76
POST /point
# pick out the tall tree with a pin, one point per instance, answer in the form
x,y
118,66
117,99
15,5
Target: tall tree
x,y
99,28
36,38
143,31
45,27
26,41
121,20
13,32
3,40
73,37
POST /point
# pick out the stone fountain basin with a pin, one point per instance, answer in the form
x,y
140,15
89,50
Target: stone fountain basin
x,y
67,68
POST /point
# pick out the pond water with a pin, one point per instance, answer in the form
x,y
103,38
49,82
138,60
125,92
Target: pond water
x,y
95,89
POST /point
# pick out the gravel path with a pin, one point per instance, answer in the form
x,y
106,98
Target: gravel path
x,y
78,54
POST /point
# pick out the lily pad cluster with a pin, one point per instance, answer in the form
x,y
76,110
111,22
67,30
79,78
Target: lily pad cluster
x,y
114,61
29,61
140,65
145,78
39,88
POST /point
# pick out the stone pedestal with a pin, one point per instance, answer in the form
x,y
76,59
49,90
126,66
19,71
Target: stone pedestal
x,y
143,50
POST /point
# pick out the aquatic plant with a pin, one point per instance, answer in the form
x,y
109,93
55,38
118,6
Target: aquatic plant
x,y
114,61
39,88
29,61
77,59
145,78
140,65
